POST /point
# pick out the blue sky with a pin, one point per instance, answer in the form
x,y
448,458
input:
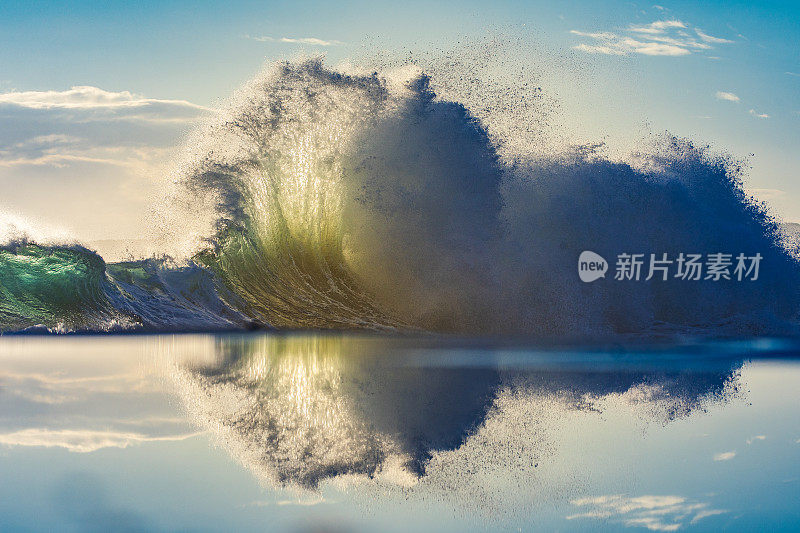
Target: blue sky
x,y
722,73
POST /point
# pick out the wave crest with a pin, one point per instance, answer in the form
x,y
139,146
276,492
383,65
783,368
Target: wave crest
x,y
358,200
364,200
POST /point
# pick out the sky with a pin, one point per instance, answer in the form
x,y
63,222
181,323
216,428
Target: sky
x,y
96,97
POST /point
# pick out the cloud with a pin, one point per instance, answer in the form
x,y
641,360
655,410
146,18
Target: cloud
x,y
316,500
751,440
706,513
722,95
87,97
658,38
54,388
612,44
793,74
63,161
41,123
82,404
730,97
88,125
711,39
653,512
656,49
601,49
66,154
657,27
724,456
314,41
82,441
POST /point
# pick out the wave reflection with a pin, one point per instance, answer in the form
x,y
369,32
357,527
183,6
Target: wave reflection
x,y
300,410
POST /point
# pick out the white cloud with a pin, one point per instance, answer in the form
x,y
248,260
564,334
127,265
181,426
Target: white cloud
x,y
751,440
612,44
656,49
725,456
711,39
310,40
705,514
281,503
314,41
598,35
607,50
75,401
682,41
793,74
657,27
86,97
658,38
82,441
58,161
64,154
722,95
653,512
730,97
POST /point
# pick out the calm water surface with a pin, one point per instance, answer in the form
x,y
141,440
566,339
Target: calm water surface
x,y
310,432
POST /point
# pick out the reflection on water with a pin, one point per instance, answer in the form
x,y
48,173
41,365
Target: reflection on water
x,y
82,395
385,433
301,409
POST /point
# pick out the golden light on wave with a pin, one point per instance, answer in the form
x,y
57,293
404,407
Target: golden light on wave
x,y
277,404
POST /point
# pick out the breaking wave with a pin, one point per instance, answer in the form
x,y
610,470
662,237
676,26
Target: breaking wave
x,y
347,200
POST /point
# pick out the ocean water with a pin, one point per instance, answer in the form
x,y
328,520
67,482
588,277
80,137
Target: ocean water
x,y
348,432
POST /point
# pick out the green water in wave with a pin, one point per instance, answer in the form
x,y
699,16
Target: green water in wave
x,y
292,283
59,287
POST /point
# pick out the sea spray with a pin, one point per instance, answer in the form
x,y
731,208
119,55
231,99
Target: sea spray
x,y
358,188
355,200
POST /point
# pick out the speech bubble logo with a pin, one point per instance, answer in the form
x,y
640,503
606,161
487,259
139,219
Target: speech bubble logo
x,y
591,266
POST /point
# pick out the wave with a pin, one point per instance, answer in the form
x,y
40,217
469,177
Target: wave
x,y
61,289
64,287
335,200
